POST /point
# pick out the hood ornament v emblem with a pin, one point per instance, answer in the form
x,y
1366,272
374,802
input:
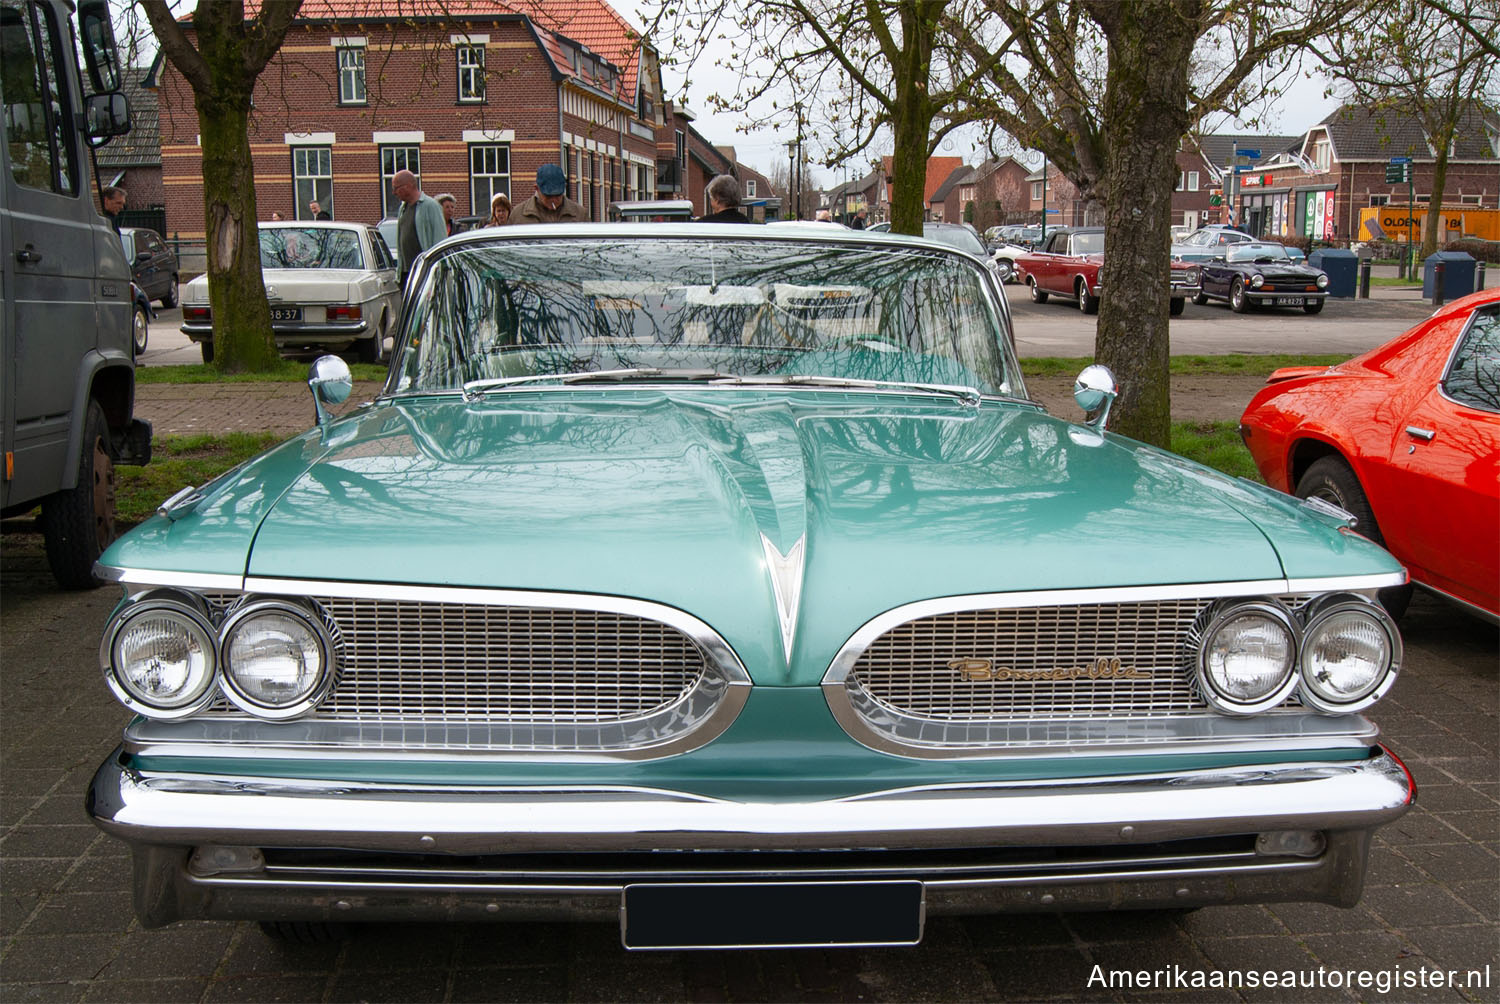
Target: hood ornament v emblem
x,y
786,583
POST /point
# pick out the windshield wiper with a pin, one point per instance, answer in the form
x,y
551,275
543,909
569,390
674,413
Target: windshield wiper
x,y
968,395
475,388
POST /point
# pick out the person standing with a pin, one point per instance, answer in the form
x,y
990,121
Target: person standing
x,y
499,210
450,213
318,212
723,197
113,201
861,219
550,204
420,225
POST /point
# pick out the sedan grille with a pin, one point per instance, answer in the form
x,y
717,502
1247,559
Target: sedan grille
x,y
1120,673
460,675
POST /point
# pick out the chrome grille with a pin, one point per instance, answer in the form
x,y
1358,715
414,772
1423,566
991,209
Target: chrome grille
x,y
461,662
990,680
908,669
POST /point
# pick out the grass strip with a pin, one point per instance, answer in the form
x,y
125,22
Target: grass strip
x,y
1217,445
288,372
1238,364
178,461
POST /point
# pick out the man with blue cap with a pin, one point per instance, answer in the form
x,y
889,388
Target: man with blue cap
x,y
550,204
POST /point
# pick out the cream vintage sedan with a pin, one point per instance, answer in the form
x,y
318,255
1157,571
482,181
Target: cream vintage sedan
x,y
331,286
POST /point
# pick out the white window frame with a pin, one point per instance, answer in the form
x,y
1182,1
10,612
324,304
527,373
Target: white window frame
x,y
472,90
351,78
1322,154
402,156
1036,191
749,188
495,180
1192,181
322,170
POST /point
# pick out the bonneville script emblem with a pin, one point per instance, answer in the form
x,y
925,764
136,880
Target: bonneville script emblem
x,y
983,670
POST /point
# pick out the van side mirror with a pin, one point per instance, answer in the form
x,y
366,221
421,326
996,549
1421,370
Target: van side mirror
x,y
105,116
99,51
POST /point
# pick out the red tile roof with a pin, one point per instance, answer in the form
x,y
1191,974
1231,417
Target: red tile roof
x,y
591,23
938,169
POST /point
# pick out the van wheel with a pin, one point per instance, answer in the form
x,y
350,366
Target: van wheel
x,y
78,523
207,348
170,297
304,932
1176,306
140,328
1038,295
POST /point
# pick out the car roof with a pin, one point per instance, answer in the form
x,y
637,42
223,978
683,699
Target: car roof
x,y
310,225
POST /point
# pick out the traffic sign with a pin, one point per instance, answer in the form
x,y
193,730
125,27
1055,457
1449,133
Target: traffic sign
x,y
1396,173
1400,160
1240,151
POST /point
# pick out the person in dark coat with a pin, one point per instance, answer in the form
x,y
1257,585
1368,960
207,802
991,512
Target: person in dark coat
x,y
723,195
112,198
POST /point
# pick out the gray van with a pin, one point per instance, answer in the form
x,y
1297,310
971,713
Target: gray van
x,y
67,391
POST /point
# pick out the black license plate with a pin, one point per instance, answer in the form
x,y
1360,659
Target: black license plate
x,y
1289,301
771,914
286,313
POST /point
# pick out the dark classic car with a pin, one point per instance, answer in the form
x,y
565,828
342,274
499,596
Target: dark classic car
x,y
153,265
1262,275
1068,262
724,584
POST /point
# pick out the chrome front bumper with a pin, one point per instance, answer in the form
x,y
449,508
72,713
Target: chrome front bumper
x,y
207,846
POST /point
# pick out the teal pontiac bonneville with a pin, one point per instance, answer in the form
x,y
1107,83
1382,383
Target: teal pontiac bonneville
x,y
725,584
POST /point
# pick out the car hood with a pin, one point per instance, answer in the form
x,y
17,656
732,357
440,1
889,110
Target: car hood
x,y
784,522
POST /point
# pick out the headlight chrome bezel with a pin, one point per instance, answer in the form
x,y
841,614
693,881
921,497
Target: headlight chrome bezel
x,y
194,611
328,648
1218,616
1315,616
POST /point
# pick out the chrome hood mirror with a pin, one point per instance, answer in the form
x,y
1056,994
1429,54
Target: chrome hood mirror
x,y
1095,391
330,381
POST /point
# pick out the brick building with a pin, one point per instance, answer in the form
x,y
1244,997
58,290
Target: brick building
x,y
1000,193
473,98
938,170
947,203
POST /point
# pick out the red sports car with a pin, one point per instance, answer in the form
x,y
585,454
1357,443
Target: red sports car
x,y
1407,439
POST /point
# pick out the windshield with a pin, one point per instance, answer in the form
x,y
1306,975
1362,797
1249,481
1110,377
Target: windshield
x,y
700,309
310,247
1089,242
958,237
1264,254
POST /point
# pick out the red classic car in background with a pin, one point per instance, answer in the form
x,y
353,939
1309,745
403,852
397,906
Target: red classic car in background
x,y
1407,439
1067,264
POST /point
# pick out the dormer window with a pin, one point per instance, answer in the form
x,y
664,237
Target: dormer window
x,y
1322,157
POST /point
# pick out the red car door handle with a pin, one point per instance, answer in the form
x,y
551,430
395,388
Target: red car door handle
x,y
1425,435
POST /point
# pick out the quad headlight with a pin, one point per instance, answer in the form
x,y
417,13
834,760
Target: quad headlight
x,y
1247,658
165,657
160,655
1350,654
277,658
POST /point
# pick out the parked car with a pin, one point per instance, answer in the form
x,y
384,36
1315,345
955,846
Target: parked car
x,y
1262,275
140,319
658,543
1207,243
1068,264
1407,438
153,265
331,285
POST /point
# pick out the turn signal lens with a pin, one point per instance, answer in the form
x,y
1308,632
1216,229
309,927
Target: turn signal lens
x,y
1351,652
159,657
277,659
1247,658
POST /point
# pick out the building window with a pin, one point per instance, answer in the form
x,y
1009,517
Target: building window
x,y
471,73
1380,200
596,166
312,178
489,175
351,76
1471,200
749,188
1036,191
393,159
682,154
1322,155
1192,181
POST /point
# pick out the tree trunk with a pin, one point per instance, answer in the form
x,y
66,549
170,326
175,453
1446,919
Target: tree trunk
x,y
1435,200
1144,119
241,316
911,118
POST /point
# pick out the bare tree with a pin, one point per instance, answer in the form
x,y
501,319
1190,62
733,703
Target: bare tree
x,y
221,61
1108,90
857,70
1431,62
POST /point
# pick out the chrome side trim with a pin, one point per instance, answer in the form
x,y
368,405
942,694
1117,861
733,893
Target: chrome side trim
x,y
146,577
153,808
